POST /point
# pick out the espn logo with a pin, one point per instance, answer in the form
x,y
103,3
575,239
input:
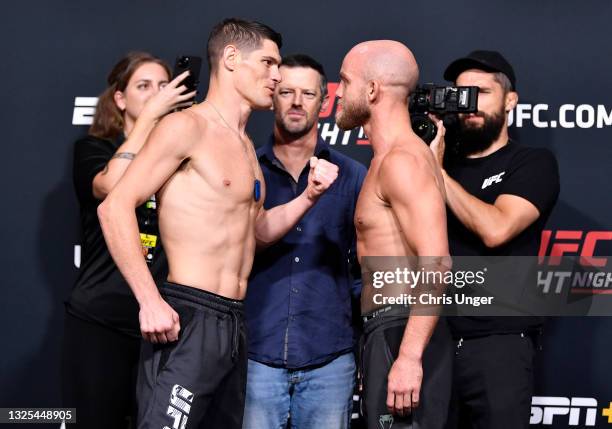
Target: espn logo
x,y
84,110
546,409
573,243
180,405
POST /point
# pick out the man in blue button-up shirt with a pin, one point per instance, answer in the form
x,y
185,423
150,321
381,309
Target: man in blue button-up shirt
x,y
298,304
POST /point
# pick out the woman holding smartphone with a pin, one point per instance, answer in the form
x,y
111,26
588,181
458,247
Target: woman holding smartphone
x,y
102,334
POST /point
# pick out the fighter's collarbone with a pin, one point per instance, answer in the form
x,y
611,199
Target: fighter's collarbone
x,y
218,176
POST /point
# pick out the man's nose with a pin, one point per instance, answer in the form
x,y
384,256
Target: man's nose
x,y
297,98
276,76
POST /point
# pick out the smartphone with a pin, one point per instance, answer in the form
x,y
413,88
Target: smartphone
x,y
194,65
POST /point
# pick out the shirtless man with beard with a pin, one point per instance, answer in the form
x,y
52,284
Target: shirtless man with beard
x,y
400,214
210,197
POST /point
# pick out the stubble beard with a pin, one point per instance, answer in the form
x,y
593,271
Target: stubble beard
x,y
353,114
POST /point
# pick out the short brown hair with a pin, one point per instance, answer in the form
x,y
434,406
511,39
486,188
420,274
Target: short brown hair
x,y
504,81
108,120
303,60
246,35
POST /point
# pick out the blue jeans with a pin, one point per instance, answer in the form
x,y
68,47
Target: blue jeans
x,y
314,398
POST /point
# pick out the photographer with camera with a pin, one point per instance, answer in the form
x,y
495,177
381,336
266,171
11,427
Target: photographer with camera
x,y
102,335
499,195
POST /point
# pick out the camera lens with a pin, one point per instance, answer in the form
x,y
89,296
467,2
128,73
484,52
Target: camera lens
x,y
424,127
184,61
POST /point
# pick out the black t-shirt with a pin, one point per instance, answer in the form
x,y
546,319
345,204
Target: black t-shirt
x,y
530,173
100,293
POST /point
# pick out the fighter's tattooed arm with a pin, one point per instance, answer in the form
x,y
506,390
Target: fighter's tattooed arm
x,y
122,155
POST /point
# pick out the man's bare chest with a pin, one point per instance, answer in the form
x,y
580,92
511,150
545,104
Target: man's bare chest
x,y
229,172
370,209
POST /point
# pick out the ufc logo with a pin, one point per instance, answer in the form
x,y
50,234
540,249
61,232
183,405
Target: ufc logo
x,y
545,408
493,179
180,405
573,243
84,110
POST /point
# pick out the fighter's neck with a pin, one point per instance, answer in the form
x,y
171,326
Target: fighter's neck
x,y
230,105
386,127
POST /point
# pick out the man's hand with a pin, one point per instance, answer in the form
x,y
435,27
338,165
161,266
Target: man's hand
x,y
437,145
404,385
321,176
271,225
159,323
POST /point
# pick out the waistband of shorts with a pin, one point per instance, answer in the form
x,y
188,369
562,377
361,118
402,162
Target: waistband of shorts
x,y
383,315
389,310
201,297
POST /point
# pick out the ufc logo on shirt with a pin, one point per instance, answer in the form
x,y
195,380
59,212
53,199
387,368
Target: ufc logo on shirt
x,y
493,179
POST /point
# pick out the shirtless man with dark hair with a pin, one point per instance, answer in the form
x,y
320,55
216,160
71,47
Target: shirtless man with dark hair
x,y
400,213
210,191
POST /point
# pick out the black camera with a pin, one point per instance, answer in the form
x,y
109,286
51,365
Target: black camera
x,y
442,101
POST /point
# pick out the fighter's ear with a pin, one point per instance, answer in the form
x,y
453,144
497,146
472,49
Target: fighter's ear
x,y
231,56
510,100
373,89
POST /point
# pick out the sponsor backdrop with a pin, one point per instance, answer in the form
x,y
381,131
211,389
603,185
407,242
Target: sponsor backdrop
x,y
55,59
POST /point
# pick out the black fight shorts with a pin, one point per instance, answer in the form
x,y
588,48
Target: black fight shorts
x,y
200,380
380,346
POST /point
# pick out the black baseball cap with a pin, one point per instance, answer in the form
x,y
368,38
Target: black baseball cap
x,y
490,61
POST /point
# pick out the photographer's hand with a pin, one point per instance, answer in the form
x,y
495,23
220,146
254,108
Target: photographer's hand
x,y
168,98
438,145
